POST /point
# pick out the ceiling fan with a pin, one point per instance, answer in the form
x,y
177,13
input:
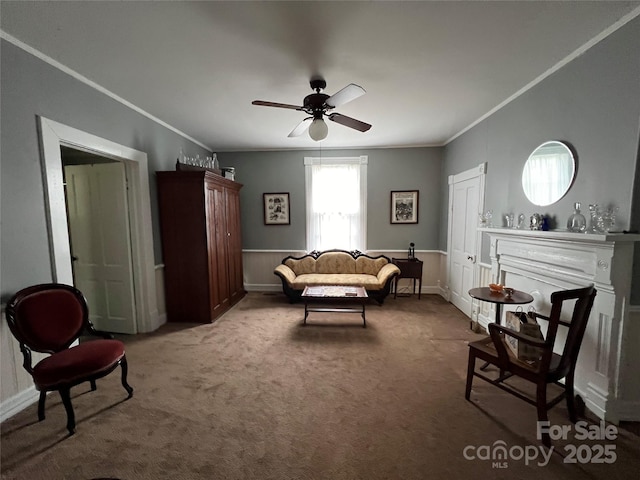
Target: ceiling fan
x,y
317,105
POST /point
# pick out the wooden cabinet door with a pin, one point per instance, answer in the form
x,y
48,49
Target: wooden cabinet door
x,y
234,245
201,242
182,206
217,250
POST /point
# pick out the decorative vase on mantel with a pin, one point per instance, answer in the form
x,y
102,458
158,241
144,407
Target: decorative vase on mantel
x,y
577,222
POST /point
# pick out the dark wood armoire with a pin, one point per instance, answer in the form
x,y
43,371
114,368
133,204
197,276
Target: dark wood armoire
x,y
201,244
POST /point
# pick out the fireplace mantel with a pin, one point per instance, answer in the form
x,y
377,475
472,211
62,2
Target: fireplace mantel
x,y
541,262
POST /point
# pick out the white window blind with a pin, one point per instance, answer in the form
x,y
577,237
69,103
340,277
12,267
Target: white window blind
x,y
336,191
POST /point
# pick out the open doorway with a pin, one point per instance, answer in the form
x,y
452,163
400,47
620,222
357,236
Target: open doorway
x,y
100,237
53,136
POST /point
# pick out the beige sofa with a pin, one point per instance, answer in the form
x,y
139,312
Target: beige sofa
x,y
337,267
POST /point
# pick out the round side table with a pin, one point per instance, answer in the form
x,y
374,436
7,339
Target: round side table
x,y
499,298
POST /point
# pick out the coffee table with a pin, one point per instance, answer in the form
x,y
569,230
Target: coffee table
x,y
335,295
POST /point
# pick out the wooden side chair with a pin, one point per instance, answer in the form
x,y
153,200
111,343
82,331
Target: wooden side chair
x,y
550,367
49,318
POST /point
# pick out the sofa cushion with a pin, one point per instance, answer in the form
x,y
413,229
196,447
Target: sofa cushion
x,y
302,266
370,282
370,266
335,262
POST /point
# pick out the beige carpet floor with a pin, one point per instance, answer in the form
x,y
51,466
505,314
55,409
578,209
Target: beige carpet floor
x,y
255,395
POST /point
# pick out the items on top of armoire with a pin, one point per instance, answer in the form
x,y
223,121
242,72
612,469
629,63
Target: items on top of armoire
x,y
209,163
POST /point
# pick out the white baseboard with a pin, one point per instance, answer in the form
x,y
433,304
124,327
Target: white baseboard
x,y
484,321
18,402
443,291
628,411
160,319
260,287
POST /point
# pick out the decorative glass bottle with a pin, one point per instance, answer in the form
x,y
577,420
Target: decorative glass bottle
x,y
577,222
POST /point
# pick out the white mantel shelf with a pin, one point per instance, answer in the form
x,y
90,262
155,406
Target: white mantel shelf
x,y
565,235
541,262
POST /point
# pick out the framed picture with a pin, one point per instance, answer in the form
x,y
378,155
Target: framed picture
x,y
276,208
404,206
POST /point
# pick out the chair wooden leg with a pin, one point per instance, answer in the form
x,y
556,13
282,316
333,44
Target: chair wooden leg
x,y
41,400
571,399
125,369
470,369
65,393
93,385
541,405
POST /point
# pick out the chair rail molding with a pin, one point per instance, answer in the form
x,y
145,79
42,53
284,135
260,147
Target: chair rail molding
x,y
541,262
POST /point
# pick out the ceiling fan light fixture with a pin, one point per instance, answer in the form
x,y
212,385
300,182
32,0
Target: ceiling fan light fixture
x,y
318,129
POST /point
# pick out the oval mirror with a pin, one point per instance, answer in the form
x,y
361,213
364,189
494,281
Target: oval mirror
x,y
548,173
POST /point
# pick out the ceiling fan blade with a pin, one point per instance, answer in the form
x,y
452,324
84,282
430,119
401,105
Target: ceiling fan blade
x,y
349,122
273,104
301,128
348,93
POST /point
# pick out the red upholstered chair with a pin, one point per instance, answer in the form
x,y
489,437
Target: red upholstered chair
x,y
48,318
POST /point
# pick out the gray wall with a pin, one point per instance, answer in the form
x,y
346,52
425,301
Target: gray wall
x,y
31,87
594,104
388,169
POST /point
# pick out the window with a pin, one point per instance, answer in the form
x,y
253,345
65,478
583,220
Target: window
x,y
336,203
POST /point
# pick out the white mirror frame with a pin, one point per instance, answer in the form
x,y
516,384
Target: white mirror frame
x,y
548,173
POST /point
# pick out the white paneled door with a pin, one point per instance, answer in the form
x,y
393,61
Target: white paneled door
x,y
466,192
101,243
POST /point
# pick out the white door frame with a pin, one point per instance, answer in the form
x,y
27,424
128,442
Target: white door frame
x,y
479,171
52,136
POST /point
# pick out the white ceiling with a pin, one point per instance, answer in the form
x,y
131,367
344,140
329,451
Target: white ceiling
x,y
431,69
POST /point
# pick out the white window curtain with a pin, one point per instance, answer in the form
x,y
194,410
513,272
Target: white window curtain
x,y
336,190
546,176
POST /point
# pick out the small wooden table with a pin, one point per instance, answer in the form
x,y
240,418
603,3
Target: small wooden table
x,y
335,294
408,269
499,298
